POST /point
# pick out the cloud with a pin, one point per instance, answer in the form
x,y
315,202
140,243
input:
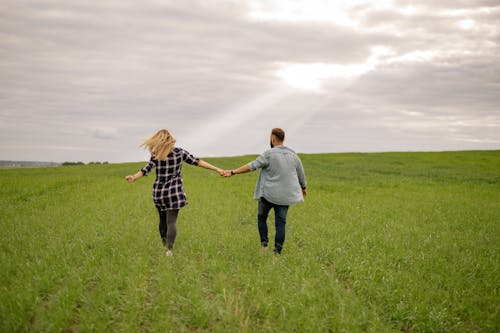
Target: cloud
x,y
107,74
104,133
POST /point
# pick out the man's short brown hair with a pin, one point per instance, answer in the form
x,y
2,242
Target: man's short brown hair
x,y
278,133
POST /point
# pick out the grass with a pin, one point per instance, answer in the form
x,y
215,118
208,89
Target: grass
x,y
384,243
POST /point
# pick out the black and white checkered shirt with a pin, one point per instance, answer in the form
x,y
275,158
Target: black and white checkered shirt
x,y
168,192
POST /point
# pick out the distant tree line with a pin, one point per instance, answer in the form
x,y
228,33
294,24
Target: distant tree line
x,y
81,163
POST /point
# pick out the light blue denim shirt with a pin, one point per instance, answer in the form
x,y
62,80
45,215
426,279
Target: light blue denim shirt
x,y
282,176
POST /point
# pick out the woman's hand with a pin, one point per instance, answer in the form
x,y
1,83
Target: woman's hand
x,y
130,178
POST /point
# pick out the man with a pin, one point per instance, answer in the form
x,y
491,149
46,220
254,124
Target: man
x,y
281,183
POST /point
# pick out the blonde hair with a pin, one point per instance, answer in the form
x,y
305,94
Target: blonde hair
x,y
159,144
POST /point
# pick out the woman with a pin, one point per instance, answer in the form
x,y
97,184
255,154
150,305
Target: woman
x,y
168,192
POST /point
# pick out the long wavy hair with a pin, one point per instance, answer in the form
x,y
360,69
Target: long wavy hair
x,y
160,144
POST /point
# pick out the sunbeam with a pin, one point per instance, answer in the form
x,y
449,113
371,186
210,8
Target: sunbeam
x,y
229,120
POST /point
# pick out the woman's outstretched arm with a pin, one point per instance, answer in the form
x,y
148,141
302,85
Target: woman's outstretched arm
x,y
131,178
206,165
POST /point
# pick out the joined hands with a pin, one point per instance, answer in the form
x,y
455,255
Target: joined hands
x,y
225,173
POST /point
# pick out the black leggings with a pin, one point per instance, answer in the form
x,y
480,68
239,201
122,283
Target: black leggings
x,y
167,226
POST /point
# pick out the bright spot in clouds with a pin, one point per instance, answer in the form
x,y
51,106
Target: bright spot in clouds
x,y
311,76
466,24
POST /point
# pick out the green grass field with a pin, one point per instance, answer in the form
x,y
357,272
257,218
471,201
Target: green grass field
x,y
384,243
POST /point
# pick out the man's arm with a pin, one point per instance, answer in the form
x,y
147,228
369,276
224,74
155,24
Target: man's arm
x,y
302,176
242,169
261,162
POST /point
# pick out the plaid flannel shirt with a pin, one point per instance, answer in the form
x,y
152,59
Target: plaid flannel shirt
x,y
168,191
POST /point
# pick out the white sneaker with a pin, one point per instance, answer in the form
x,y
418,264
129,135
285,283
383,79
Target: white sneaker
x,y
169,253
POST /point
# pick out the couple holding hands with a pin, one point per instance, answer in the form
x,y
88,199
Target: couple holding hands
x,y
281,183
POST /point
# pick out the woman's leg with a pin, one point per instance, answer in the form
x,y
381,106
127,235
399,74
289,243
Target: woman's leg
x,y
171,222
162,226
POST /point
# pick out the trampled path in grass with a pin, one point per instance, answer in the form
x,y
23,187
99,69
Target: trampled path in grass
x,y
383,243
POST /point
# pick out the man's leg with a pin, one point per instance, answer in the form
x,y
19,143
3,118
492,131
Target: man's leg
x,y
263,212
280,222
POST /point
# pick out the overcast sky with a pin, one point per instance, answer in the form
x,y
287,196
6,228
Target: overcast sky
x,y
89,80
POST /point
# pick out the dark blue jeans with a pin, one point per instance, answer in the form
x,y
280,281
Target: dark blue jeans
x,y
279,220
